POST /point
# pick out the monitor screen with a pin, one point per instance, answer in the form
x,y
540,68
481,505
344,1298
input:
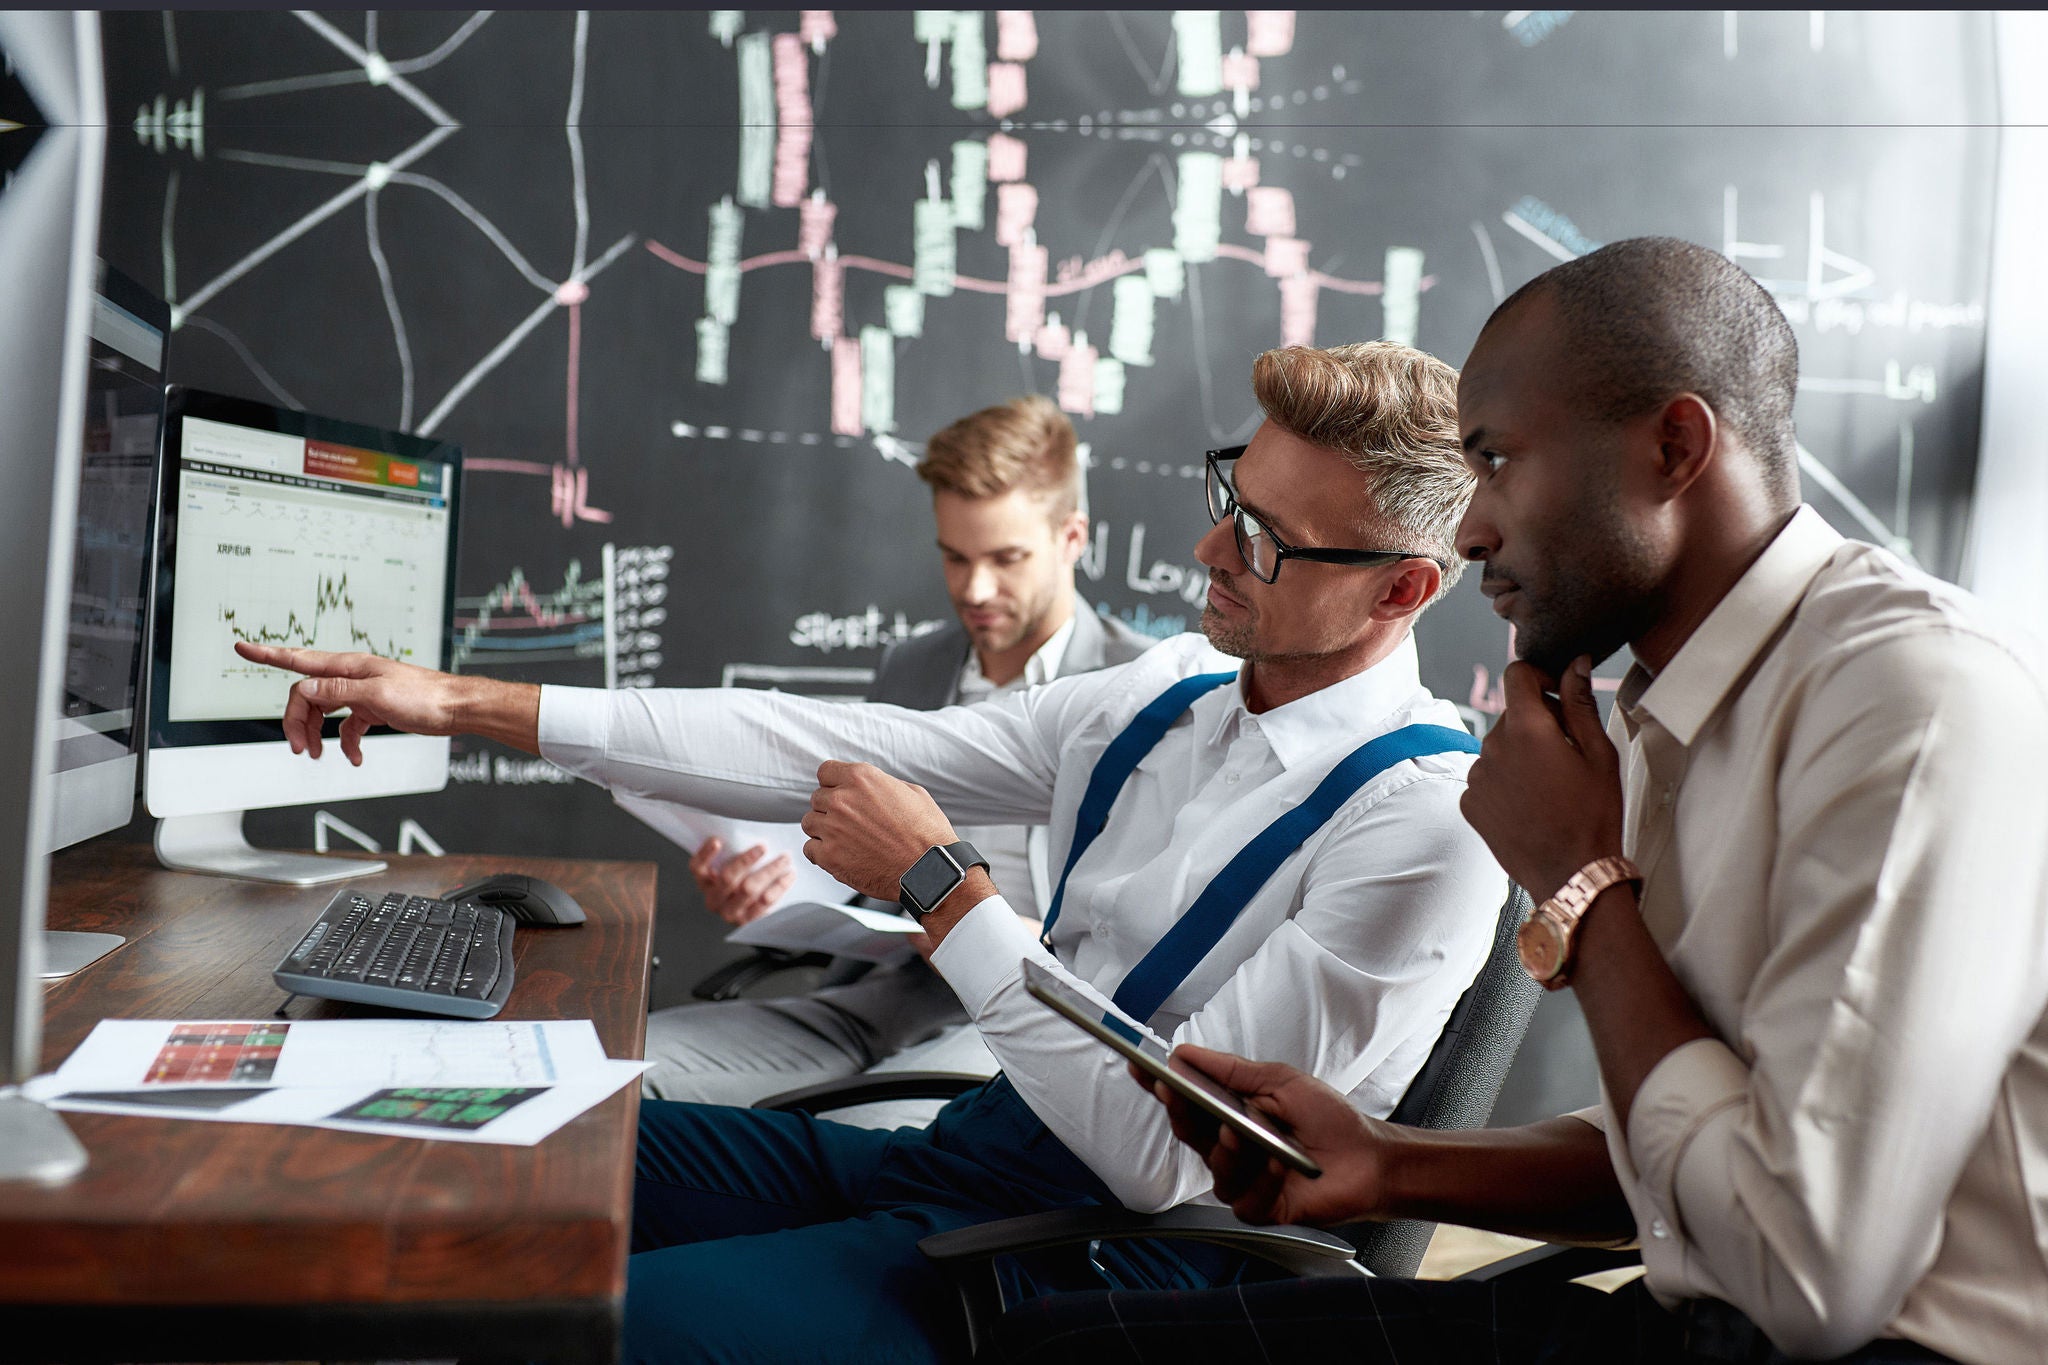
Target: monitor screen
x,y
285,528
110,561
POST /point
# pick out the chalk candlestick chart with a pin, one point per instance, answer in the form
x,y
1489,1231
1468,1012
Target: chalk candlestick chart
x,y
729,333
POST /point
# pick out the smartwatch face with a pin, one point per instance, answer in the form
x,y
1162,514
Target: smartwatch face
x,y
930,880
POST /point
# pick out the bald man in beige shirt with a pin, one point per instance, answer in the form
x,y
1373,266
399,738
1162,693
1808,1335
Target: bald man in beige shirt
x,y
1799,885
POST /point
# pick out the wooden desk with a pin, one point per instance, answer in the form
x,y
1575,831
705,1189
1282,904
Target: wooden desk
x,y
229,1241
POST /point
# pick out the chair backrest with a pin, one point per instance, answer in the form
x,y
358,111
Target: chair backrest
x,y
1458,1085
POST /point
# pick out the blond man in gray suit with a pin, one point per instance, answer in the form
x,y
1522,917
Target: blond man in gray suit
x,y
1006,497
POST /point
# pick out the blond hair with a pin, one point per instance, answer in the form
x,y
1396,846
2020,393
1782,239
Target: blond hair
x,y
1026,443
1392,411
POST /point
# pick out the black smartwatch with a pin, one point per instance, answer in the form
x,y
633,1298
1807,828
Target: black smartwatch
x,y
937,875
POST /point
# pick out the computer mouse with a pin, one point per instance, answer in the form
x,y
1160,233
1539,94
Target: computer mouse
x,y
529,899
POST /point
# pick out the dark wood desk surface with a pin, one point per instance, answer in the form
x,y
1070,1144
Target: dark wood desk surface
x,y
313,1229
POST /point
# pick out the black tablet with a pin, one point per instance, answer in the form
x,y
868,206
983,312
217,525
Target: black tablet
x,y
1211,1098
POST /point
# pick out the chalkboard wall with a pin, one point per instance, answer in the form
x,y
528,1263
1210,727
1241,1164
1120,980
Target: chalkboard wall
x,y
691,288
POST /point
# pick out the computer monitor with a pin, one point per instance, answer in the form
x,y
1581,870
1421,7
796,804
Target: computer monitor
x,y
281,527
49,219
98,717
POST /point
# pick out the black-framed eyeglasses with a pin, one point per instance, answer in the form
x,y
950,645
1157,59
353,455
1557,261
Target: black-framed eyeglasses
x,y
1261,549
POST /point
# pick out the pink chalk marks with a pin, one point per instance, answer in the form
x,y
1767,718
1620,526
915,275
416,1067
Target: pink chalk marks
x,y
572,294
815,28
792,120
845,387
1016,35
571,497
828,296
1053,341
1006,94
1016,210
1286,257
1025,310
1005,158
1016,44
1269,211
1240,71
1298,310
814,224
1077,381
1240,172
1269,32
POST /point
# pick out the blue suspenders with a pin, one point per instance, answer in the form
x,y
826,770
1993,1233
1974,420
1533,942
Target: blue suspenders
x,y
1115,767
1145,988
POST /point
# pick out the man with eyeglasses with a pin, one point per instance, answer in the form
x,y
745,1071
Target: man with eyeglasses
x,y
1261,850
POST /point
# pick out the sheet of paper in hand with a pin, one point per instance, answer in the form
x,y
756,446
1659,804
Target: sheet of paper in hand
x,y
841,930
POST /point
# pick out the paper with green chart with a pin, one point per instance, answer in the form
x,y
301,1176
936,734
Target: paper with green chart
x,y
496,1081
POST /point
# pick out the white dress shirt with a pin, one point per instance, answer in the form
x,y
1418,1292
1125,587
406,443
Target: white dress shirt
x,y
1345,963
1016,853
1836,792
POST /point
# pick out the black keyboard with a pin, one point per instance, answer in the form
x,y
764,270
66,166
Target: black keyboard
x,y
406,952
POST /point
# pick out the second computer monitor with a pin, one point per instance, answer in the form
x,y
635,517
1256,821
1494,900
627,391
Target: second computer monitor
x,y
280,527
99,722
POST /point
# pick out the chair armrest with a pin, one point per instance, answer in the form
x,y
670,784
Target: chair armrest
x,y
1552,1264
968,1255
871,1086
1305,1251
734,979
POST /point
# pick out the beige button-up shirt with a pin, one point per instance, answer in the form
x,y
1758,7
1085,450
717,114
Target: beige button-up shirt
x,y
1838,792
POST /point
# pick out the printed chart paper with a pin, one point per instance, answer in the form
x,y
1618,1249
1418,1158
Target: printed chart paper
x,y
125,1054
518,1116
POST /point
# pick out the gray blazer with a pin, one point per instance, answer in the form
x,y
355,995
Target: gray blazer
x,y
923,672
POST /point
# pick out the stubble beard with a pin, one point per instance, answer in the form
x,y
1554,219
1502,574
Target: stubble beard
x,y
1238,639
1604,599
1021,625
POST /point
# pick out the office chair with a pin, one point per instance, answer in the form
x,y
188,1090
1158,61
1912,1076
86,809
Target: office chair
x,y
736,978
1456,1088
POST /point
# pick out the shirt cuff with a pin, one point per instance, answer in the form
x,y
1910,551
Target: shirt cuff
x,y
575,728
1681,1095
984,952
1595,1115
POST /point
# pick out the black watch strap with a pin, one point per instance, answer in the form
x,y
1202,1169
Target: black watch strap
x,y
937,875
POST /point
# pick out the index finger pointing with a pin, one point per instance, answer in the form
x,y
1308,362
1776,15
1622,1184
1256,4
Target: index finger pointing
x,y
313,663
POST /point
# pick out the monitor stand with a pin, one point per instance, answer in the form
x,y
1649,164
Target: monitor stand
x,y
214,844
68,951
34,1143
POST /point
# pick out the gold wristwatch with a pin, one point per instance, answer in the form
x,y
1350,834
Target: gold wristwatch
x,y
1546,938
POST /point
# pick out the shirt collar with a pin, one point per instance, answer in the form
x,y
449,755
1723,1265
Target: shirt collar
x,y
1691,688
1042,667
1306,728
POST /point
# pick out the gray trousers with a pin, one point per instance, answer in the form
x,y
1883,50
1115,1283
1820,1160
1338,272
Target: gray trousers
x,y
736,1052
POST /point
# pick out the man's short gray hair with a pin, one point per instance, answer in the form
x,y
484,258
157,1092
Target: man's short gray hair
x,y
1393,412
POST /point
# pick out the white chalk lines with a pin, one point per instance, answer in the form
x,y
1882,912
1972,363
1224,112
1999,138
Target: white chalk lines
x,y
367,182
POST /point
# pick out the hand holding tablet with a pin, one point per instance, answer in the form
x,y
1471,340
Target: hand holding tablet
x,y
1212,1099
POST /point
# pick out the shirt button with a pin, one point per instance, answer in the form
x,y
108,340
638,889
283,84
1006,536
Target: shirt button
x,y
1670,793
1658,1230
1230,777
